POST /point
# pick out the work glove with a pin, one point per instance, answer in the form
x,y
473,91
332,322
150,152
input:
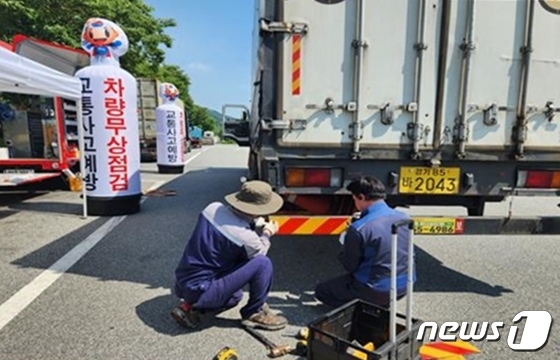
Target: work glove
x,y
271,228
259,223
342,237
355,217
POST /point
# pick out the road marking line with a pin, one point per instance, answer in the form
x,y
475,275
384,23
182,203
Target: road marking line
x,y
24,297
160,183
195,156
18,302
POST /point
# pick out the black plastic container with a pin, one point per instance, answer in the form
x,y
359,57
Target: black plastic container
x,y
331,336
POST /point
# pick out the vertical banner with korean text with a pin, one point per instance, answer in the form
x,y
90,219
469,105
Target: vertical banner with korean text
x,y
170,119
110,123
183,122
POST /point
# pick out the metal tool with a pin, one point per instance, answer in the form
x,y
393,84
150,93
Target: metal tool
x,y
226,353
302,334
301,348
409,284
274,350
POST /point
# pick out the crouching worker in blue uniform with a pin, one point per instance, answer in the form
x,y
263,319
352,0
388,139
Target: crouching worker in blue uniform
x,y
366,251
226,252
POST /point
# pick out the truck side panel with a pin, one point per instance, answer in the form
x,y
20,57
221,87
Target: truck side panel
x,y
544,77
312,158
320,66
148,101
494,74
397,80
404,43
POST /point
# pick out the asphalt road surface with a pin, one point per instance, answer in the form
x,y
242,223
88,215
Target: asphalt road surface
x,y
111,297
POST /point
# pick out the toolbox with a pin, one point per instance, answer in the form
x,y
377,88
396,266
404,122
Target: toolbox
x,y
348,332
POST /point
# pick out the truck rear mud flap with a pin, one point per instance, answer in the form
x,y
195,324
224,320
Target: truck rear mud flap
x,y
335,225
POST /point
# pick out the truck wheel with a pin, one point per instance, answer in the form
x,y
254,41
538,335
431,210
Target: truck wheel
x,y
477,208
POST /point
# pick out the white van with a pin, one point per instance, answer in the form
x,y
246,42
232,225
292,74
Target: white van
x,y
208,138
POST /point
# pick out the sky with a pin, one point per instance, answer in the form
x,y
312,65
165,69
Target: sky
x,y
212,44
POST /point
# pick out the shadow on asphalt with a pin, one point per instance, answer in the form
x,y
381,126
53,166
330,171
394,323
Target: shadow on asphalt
x,y
48,255
50,207
6,213
146,247
17,200
299,261
8,198
155,314
434,276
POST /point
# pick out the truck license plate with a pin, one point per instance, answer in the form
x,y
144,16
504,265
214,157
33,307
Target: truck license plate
x,y
19,171
440,226
425,180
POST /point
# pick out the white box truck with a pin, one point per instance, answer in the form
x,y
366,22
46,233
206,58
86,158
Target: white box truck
x,y
448,102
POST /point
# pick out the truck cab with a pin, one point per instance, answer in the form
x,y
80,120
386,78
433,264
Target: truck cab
x,y
236,130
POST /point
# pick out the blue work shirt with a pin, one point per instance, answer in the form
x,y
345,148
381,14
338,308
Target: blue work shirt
x,y
221,241
367,248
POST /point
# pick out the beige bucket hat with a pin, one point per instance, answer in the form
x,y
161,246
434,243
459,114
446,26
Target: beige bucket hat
x,y
255,198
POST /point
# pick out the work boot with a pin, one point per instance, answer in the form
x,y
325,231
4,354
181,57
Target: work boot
x,y
266,309
266,320
186,316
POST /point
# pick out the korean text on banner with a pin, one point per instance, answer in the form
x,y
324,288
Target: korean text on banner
x,y
170,125
111,145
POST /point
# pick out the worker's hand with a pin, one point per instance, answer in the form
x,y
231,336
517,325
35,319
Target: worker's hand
x,y
260,222
270,228
341,238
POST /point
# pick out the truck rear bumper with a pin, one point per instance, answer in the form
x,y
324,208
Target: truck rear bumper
x,y
491,180
335,225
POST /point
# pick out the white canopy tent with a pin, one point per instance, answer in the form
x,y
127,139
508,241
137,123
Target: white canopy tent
x,y
25,76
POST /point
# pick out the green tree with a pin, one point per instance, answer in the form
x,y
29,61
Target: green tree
x,y
61,21
44,19
198,116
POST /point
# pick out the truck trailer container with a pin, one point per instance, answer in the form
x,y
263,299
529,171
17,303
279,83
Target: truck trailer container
x,y
447,102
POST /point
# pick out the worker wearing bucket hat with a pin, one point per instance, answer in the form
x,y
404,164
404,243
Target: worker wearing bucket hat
x,y
226,252
255,198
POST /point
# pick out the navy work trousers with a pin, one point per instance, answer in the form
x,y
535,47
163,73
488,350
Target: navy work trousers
x,y
226,291
343,289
